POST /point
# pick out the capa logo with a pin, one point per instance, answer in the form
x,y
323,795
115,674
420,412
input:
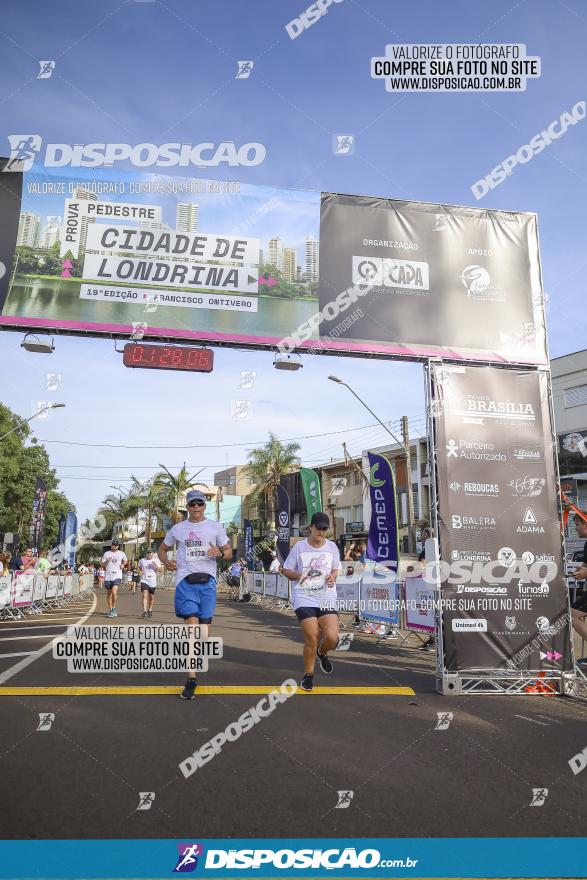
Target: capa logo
x,y
306,19
24,149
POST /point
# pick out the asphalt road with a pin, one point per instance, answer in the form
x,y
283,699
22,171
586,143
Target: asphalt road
x,y
82,778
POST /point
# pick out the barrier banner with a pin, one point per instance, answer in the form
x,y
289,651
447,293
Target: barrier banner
x,y
282,591
67,585
258,582
283,523
505,600
209,261
271,584
379,597
60,585
348,594
420,598
5,590
52,586
22,588
39,588
312,494
38,516
249,552
383,541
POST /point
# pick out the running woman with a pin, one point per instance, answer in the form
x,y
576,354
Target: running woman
x,y
312,565
201,543
135,578
149,567
114,561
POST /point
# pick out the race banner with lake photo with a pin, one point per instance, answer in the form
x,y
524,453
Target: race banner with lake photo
x,y
505,599
101,251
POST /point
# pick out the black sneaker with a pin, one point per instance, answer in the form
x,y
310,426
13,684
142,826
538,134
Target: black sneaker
x,y
189,691
149,613
143,615
325,663
307,683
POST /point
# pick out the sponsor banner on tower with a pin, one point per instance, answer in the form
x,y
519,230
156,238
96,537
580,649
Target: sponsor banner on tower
x,y
96,250
498,517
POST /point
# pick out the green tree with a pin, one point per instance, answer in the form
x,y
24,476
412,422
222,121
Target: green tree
x,y
267,464
20,466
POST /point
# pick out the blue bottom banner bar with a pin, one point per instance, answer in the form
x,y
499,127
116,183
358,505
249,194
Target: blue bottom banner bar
x,y
529,857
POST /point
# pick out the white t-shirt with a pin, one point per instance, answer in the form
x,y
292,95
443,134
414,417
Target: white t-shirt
x,y
193,542
274,565
149,569
113,560
314,564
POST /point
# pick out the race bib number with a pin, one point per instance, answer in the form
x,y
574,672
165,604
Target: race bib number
x,y
313,584
195,551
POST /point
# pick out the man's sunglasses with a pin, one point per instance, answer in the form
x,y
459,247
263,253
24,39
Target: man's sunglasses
x,y
197,504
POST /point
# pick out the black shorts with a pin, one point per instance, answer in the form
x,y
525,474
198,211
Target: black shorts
x,y
135,578
145,586
307,611
580,603
110,584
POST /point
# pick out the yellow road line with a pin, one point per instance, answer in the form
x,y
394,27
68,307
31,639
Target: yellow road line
x,y
204,690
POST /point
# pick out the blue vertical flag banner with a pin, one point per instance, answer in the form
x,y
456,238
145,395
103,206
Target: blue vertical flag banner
x,y
70,538
38,516
383,543
283,523
249,553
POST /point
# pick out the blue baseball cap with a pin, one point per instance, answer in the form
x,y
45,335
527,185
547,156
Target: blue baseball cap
x,y
195,495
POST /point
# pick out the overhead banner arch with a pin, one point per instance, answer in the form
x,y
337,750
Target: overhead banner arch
x,y
98,251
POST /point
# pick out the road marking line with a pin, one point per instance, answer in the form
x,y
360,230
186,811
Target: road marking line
x,y
533,720
25,638
204,690
18,654
46,626
26,661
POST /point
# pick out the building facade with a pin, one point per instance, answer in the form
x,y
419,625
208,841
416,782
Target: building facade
x,y
569,396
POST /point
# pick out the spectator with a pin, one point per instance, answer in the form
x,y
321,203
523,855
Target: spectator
x,y
274,563
28,560
15,562
43,566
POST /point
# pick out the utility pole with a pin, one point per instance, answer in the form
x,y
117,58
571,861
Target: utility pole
x,y
410,495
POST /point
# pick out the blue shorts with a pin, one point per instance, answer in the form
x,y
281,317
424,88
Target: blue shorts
x,y
196,600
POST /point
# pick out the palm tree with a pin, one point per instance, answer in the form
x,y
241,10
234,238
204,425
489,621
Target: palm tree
x,y
267,464
153,499
176,485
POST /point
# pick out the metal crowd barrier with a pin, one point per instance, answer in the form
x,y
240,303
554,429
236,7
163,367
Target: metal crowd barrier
x,y
27,593
269,589
404,608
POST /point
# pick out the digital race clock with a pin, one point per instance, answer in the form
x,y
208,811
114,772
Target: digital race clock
x,y
168,357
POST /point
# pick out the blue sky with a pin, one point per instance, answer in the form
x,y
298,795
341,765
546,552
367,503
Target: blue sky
x,y
165,71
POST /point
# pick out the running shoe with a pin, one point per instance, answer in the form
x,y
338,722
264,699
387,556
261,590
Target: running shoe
x,y
143,615
110,614
150,613
325,663
114,612
307,683
189,691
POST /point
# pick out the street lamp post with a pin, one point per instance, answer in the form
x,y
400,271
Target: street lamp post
x,y
24,421
405,447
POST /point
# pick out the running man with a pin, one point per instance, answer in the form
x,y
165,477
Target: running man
x,y
149,567
201,543
313,565
114,561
